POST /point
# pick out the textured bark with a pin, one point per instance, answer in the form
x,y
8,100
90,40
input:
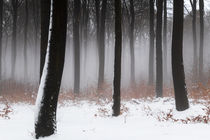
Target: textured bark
x,y
117,61
102,45
201,7
25,38
45,19
159,59
151,49
46,123
132,17
76,41
177,58
165,40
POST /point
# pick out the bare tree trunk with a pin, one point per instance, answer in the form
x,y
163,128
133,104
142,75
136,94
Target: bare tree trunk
x,y
132,14
165,39
151,49
45,19
159,59
177,57
25,39
117,61
46,103
1,32
201,6
76,23
102,45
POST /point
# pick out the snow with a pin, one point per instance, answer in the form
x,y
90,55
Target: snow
x,y
80,120
44,73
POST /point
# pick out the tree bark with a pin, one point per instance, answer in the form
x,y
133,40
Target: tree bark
x,y
117,61
201,7
165,39
45,125
1,32
151,49
159,59
76,35
177,58
45,19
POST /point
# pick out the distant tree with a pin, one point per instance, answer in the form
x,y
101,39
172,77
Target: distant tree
x,y
1,32
151,48
25,37
201,7
159,57
165,38
177,57
117,60
45,19
46,103
76,40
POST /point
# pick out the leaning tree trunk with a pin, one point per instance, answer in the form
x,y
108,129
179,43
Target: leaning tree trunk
x,y
45,19
117,60
1,26
177,58
132,14
76,35
151,49
165,39
159,59
101,46
46,103
201,6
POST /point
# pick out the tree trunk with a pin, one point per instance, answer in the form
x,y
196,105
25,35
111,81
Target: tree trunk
x,y
159,59
177,58
1,32
76,23
165,39
132,14
45,19
46,103
25,39
201,6
151,49
102,45
117,61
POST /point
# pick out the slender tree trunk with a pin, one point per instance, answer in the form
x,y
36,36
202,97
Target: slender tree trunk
x,y
45,19
1,26
165,39
194,30
46,103
201,6
97,8
159,59
25,39
177,57
132,14
151,49
76,35
117,61
102,45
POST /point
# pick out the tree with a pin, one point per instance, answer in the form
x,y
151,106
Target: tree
x,y
1,26
25,37
46,103
45,19
177,58
76,41
151,40
201,7
117,61
159,59
165,38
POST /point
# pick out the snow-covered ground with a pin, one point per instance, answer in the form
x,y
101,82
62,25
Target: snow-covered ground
x,y
85,120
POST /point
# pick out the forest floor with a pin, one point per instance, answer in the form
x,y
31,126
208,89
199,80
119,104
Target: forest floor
x,y
86,117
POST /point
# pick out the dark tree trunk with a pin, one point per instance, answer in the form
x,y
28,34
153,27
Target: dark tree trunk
x,y
201,6
45,124
102,45
117,60
97,8
45,19
151,49
165,39
1,26
194,30
177,58
76,40
132,17
159,59
25,38
14,36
